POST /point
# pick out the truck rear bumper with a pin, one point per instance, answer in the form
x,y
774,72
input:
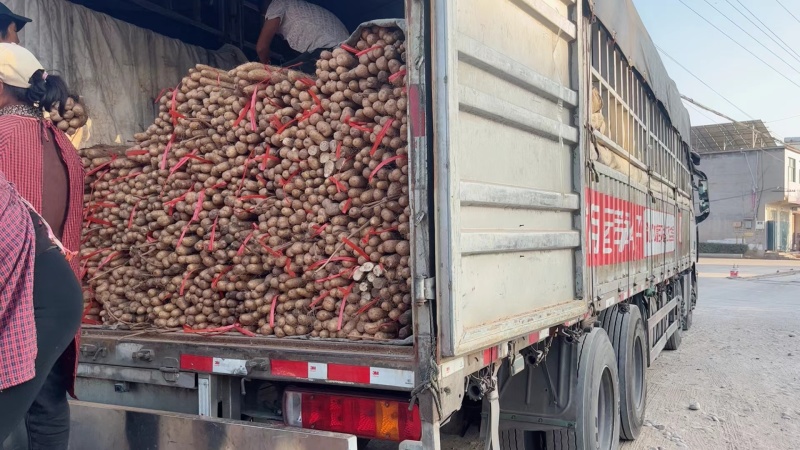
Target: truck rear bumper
x,y
101,427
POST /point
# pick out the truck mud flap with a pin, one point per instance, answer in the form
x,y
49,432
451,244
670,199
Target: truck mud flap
x,y
102,427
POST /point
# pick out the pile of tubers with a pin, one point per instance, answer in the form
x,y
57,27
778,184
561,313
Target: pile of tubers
x,y
261,200
75,116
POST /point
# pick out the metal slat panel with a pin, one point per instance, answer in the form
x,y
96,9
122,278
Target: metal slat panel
x,y
497,196
492,108
480,243
549,16
490,60
506,200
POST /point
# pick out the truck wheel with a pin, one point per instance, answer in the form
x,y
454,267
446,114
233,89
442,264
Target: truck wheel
x,y
687,324
597,394
521,440
626,330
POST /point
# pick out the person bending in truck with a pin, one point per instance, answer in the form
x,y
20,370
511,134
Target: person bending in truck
x,y
10,25
308,29
39,348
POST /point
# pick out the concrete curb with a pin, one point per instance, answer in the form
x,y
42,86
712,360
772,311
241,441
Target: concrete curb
x,y
721,255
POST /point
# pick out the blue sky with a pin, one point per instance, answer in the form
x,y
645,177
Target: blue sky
x,y
760,91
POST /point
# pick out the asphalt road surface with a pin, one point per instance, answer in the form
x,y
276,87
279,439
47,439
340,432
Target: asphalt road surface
x,y
735,382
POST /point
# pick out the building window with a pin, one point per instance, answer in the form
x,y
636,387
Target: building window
x,y
792,170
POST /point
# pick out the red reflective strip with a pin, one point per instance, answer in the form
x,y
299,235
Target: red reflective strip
x,y
534,338
490,355
296,369
416,112
348,374
197,363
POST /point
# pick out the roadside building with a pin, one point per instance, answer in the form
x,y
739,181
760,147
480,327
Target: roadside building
x,y
754,186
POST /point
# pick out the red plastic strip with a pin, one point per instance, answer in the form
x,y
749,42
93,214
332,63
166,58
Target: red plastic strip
x,y
166,151
318,299
365,51
350,49
339,186
219,276
185,278
355,248
380,137
272,311
397,75
318,230
345,294
288,268
136,152
93,219
240,252
242,115
383,164
101,166
213,231
130,219
108,259
366,307
347,204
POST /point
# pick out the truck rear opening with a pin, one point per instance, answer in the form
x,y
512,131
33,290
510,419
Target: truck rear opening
x,y
552,241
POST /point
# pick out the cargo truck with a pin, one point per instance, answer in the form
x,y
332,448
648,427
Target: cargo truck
x,y
555,198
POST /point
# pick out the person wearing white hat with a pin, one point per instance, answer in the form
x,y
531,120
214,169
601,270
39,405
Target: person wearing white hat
x,y
47,173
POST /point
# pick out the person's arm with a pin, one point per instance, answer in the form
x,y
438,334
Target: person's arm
x,y
268,32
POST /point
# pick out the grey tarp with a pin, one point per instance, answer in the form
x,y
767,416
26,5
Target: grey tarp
x,y
622,20
116,67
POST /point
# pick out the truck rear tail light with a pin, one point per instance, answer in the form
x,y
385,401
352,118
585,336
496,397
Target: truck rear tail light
x,y
371,418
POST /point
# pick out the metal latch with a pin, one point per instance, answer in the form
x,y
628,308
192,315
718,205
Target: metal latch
x,y
170,370
143,355
92,351
426,289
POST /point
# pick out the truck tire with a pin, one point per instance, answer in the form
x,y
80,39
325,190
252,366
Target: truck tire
x,y
597,399
521,440
687,324
625,327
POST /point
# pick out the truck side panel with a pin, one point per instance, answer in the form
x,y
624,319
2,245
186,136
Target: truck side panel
x,y
504,191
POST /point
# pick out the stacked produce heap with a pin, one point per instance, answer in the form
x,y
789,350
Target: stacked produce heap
x,y
261,200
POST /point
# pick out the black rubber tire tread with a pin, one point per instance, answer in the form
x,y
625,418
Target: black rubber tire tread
x,y
519,440
512,440
623,328
674,341
687,324
560,440
595,355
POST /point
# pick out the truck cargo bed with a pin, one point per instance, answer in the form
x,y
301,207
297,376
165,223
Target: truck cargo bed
x,y
174,353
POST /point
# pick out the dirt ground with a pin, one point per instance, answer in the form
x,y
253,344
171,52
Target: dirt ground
x,y
735,382
739,364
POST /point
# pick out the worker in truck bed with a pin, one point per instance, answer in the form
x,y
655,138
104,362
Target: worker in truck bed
x,y
10,25
308,29
47,172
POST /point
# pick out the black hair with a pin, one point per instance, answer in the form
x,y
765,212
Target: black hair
x,y
5,22
44,93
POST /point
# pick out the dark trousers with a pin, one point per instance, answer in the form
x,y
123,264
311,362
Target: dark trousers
x,y
41,403
306,62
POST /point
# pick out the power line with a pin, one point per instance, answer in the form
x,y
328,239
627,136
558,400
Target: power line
x,y
704,83
783,60
781,120
776,39
787,10
740,45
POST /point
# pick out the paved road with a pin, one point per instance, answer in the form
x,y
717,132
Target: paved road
x,y
740,364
